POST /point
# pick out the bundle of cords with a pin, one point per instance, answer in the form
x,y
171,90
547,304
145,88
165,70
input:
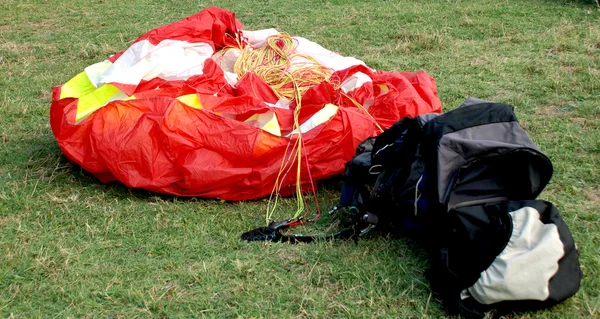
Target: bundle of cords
x,y
289,74
286,71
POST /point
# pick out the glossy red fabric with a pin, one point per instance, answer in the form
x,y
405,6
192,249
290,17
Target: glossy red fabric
x,y
158,143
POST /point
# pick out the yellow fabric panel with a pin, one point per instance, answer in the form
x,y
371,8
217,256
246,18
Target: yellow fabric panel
x,y
77,86
265,121
81,84
322,116
92,101
272,126
191,100
384,89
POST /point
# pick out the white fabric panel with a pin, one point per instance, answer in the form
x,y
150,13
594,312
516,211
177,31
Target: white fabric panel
x,y
524,268
355,81
281,104
330,59
226,58
169,60
95,71
257,38
320,117
327,58
231,78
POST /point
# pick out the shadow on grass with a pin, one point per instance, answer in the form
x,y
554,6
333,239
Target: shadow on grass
x,y
42,156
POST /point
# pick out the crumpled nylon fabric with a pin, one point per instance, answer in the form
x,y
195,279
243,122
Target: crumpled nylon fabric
x,y
157,142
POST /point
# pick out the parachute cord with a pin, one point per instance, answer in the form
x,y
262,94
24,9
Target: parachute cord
x,y
314,191
296,151
276,59
289,74
300,141
359,106
286,165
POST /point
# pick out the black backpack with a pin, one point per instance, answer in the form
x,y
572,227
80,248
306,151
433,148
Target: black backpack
x,y
464,184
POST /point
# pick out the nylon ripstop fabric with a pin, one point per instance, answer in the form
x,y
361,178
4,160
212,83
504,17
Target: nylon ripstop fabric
x,y
173,114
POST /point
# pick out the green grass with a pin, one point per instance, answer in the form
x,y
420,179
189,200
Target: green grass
x,y
72,247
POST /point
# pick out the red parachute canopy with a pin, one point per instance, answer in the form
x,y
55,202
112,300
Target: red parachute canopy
x,y
174,114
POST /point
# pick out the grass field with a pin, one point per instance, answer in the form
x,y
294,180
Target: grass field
x,y
73,247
